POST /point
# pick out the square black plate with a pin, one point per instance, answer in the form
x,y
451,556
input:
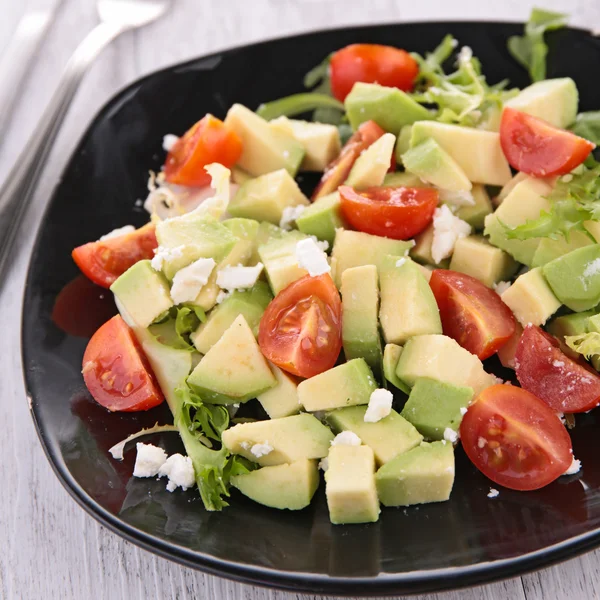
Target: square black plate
x,y
469,539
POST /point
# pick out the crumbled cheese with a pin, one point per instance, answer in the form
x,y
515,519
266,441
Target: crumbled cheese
x,y
260,450
450,435
447,229
324,464
346,438
222,296
188,281
493,493
400,262
289,216
162,254
567,178
180,471
463,410
501,287
169,141
322,244
115,233
148,461
237,278
246,445
456,198
380,406
311,258
574,468
558,364
481,442
592,268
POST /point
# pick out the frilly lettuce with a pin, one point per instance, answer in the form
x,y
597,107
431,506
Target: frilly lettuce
x,y
173,328
587,344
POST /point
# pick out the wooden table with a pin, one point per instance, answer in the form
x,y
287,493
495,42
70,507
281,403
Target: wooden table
x,y
50,548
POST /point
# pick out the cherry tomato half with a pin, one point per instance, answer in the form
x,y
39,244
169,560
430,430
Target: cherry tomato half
x,y
471,313
515,439
371,63
537,148
561,382
116,370
208,141
301,330
104,261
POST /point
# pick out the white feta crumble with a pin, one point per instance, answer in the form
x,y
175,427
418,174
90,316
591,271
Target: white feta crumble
x,y
400,262
238,278
346,438
188,281
501,287
592,268
169,141
558,364
289,216
161,254
260,450
463,410
456,198
447,229
180,471
493,493
115,233
481,442
311,258
574,468
324,464
450,435
246,445
148,460
222,296
322,244
380,406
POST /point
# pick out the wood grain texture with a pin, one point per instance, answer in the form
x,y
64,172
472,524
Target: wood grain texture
x,y
50,548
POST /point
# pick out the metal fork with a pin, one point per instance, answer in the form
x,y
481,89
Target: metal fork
x,y
116,17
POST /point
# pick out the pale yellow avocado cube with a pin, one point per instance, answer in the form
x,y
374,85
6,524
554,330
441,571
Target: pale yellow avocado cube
x,y
350,485
531,299
509,187
593,227
282,400
371,166
476,257
321,141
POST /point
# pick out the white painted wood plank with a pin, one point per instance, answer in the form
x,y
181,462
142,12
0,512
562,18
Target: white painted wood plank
x,y
49,546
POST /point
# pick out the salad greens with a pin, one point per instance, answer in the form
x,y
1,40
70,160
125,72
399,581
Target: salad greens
x,y
298,104
587,125
587,344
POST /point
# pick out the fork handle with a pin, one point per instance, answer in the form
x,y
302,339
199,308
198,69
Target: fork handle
x,y
21,182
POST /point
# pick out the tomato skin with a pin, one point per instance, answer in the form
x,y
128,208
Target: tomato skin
x,y
338,170
537,148
515,439
394,212
116,370
371,63
301,330
207,141
561,382
471,313
103,262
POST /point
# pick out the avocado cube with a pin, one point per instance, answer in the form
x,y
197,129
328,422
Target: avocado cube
x,y
575,278
402,179
573,324
549,249
391,356
389,107
355,249
387,438
423,474
291,438
370,167
512,183
243,229
408,306
360,308
322,218
239,176
142,293
475,215
264,149
234,369
403,143
281,400
350,485
431,163
441,358
278,255
476,257
345,385
421,251
251,304
531,299
290,487
593,228
433,406
265,197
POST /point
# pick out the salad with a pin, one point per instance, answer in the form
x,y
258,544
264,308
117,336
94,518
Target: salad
x,y
455,224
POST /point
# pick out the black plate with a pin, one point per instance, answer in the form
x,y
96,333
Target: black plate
x,y
468,540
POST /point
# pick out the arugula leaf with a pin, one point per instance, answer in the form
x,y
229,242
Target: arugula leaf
x,y
587,125
530,50
297,104
319,76
587,344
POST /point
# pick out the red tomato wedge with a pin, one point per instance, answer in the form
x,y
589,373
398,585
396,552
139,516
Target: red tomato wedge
x,y
208,141
116,370
301,330
537,148
371,63
337,172
471,313
394,212
104,261
561,382
515,439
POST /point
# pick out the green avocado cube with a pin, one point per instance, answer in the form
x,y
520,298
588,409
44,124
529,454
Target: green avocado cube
x,y
402,179
475,214
434,406
423,474
403,142
322,218
549,249
278,255
391,356
281,400
370,167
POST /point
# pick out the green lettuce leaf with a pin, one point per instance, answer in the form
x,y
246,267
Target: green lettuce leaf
x,y
300,103
210,420
173,329
587,344
587,125
530,50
